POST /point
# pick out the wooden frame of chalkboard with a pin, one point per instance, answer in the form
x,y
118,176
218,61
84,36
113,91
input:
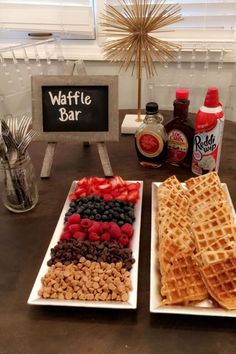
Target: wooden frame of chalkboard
x,y
75,108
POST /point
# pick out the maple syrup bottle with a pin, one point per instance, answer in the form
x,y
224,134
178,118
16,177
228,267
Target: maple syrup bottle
x,y
151,138
180,132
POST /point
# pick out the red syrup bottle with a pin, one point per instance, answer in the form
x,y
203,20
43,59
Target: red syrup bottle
x,y
180,132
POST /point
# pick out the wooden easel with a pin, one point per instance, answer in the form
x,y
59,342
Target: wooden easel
x,y
78,69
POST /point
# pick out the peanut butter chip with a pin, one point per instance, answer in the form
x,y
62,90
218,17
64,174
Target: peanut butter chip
x,y
91,281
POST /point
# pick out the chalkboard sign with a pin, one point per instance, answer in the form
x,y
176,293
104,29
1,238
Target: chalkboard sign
x,y
72,108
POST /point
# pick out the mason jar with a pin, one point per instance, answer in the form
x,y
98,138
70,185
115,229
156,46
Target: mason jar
x,y
19,186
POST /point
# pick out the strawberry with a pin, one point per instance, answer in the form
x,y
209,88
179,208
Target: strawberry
x,y
96,227
72,196
65,235
114,230
79,235
133,196
133,186
127,229
93,236
124,240
86,223
74,219
107,197
84,181
106,236
73,228
98,180
80,192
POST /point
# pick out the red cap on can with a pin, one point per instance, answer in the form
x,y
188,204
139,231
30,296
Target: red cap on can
x,y
182,94
212,98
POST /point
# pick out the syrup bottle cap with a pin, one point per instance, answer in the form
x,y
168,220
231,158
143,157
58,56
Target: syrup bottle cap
x,y
212,98
152,108
182,94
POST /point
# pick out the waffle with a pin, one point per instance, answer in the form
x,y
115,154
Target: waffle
x,y
171,219
208,179
214,210
210,257
206,238
220,281
169,246
208,225
208,194
182,282
173,183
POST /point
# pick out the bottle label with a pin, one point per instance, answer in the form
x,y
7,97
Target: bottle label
x,y
149,144
206,147
177,145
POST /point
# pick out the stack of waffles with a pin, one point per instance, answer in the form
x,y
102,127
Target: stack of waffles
x,y
197,241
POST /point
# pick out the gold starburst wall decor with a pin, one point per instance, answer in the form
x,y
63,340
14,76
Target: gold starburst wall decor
x,y
132,27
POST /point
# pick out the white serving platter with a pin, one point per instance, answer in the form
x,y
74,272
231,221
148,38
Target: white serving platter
x,y
204,308
35,299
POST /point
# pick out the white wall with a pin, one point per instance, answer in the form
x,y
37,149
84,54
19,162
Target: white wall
x,y
15,83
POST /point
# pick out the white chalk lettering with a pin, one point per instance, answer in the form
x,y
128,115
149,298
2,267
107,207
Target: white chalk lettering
x,y
70,99
70,115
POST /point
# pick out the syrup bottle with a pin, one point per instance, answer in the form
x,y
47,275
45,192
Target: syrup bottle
x,y
180,132
151,138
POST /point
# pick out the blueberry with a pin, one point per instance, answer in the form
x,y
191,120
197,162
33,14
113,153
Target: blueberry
x,y
122,216
107,207
128,220
94,211
120,223
72,204
106,212
98,217
111,204
104,217
92,217
87,211
117,204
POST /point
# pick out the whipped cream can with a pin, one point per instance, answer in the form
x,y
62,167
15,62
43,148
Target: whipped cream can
x,y
209,126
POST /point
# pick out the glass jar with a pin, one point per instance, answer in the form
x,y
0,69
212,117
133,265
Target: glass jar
x,y
151,138
19,186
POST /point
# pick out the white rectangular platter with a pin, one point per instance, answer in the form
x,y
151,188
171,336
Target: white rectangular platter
x,y
35,299
204,308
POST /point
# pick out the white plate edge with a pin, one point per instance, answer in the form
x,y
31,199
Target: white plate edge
x,y
202,311
32,300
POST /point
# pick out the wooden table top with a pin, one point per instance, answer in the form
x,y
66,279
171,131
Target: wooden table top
x,y
24,239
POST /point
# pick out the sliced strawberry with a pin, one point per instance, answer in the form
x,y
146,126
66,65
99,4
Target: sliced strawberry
x,y
123,196
83,182
132,186
80,192
72,196
103,187
133,196
98,180
107,197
